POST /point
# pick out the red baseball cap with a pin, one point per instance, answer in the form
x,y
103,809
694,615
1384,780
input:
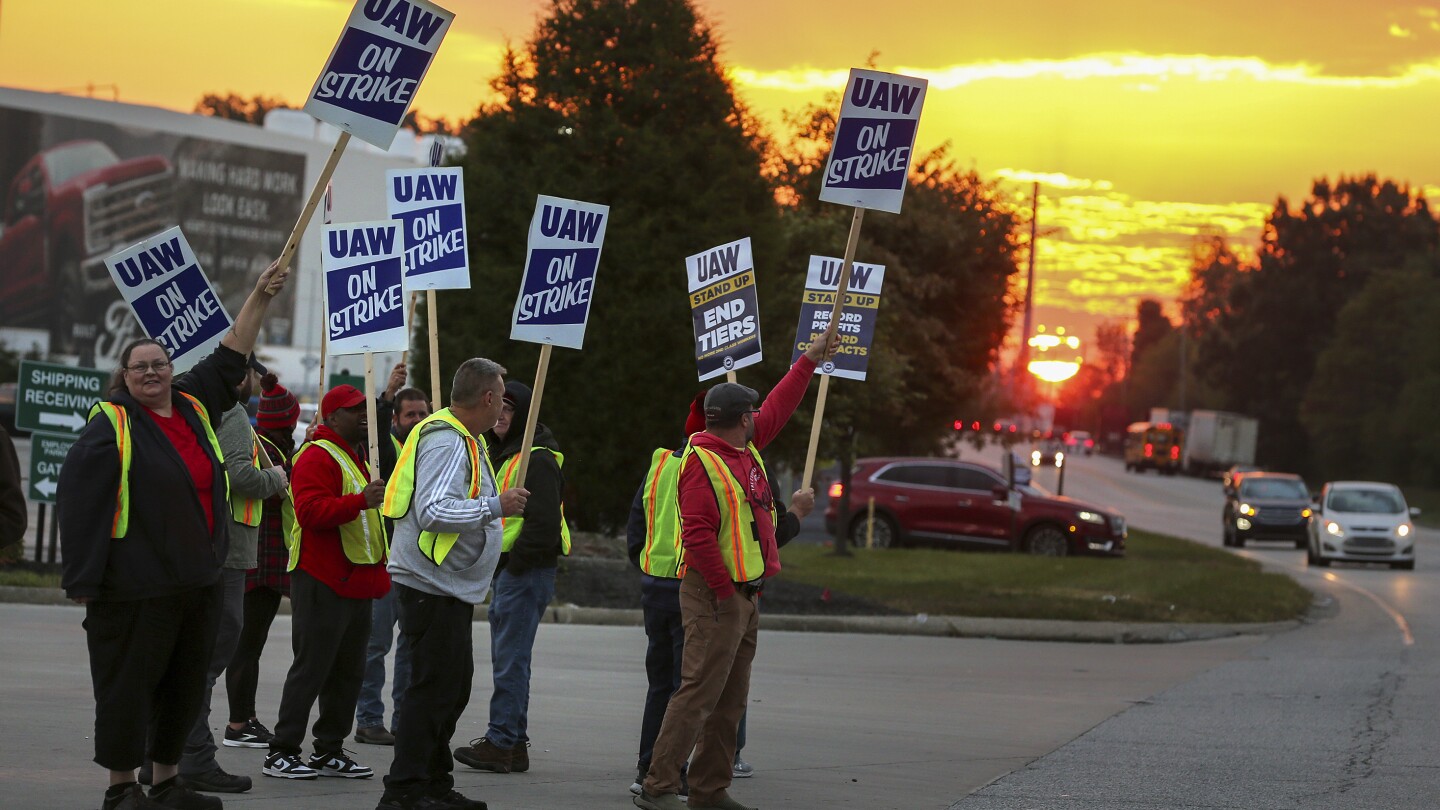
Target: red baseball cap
x,y
341,396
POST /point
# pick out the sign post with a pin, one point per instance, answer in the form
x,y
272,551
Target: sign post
x,y
725,309
365,301
56,399
161,280
553,307
868,167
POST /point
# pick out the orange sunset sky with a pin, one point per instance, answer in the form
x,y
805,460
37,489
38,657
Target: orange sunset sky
x,y
1146,120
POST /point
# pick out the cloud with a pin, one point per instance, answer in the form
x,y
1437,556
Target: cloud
x,y
1053,180
1403,33
1195,67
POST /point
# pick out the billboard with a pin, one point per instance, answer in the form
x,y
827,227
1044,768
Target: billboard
x,y
75,191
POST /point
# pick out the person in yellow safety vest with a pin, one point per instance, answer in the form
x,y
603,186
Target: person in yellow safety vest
x,y
250,485
337,563
144,527
447,510
524,584
653,540
400,409
727,519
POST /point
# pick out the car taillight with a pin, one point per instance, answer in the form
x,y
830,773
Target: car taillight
x,y
1149,450
1175,453
837,489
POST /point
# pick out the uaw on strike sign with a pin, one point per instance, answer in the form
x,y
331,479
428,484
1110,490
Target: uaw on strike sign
x,y
564,253
429,204
874,140
857,321
162,282
372,74
364,288
724,307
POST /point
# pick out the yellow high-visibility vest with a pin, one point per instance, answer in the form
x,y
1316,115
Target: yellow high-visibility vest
x,y
247,511
739,546
362,539
663,555
400,489
513,523
120,422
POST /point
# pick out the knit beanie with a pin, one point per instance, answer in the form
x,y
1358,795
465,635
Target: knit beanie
x,y
278,408
695,422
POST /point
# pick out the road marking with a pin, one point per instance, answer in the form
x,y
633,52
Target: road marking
x,y
1396,616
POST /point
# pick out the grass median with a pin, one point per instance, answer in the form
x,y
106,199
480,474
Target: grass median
x,y
1161,579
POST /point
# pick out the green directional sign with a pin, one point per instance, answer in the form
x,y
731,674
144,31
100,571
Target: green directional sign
x,y
52,398
47,453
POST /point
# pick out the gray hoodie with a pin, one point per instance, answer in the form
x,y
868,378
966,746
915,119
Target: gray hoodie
x,y
442,482
236,439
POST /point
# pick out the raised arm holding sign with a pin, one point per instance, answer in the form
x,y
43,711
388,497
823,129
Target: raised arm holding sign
x,y
553,307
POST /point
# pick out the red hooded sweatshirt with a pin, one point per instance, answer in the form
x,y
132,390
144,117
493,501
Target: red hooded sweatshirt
x,y
321,510
698,507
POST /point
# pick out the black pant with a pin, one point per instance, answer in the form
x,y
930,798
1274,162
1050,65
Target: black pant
x,y
665,648
329,633
148,664
438,629
242,677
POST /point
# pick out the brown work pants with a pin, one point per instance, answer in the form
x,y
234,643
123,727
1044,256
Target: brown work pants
x,y
714,683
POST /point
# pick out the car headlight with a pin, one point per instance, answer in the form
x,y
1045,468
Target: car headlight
x,y
1403,530
1092,517
1334,528
1247,509
1304,513
1035,458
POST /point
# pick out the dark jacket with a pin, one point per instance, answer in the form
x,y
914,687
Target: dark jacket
x,y
663,593
167,549
539,543
13,514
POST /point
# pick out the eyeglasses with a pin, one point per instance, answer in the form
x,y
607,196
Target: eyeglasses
x,y
140,368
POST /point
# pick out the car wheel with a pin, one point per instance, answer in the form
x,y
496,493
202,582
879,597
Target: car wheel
x,y
1319,561
1047,541
1408,565
887,535
1227,535
1301,544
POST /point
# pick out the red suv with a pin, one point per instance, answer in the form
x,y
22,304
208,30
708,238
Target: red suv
x,y
936,500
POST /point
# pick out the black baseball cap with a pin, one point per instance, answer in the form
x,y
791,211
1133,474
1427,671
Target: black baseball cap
x,y
729,400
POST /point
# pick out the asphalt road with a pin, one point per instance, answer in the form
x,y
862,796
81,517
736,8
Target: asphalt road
x,y
1338,714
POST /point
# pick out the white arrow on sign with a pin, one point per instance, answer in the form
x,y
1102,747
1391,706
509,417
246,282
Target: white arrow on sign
x,y
45,487
72,420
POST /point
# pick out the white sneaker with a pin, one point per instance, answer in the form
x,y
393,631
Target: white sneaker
x,y
741,769
288,766
340,764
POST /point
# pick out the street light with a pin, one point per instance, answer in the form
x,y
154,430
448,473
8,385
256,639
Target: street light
x,y
1048,367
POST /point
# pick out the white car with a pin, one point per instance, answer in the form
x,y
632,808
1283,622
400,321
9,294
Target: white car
x,y
307,413
1362,521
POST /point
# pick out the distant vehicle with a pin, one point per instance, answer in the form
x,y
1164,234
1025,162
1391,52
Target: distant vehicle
x,y
1267,506
1080,441
1216,440
67,209
1362,521
1232,476
961,504
1153,446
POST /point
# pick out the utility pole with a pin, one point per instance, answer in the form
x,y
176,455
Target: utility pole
x,y
1023,358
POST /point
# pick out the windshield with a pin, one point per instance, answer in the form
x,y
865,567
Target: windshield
x,y
1368,501
74,159
1277,488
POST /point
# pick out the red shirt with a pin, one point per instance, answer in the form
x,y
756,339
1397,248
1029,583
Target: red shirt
x,y
698,507
202,473
321,509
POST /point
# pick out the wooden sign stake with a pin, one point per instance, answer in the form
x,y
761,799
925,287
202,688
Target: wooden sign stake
x,y
533,417
835,312
409,320
372,417
293,243
730,376
431,318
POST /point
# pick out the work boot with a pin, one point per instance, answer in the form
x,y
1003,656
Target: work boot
x,y
483,755
665,801
173,792
217,780
374,735
129,796
520,757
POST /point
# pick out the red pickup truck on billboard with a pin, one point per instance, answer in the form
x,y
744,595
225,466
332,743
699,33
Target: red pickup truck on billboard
x,y
68,208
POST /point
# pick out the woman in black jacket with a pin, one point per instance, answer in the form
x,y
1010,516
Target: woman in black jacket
x,y
143,551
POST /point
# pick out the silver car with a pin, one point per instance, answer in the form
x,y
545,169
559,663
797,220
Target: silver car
x,y
1362,521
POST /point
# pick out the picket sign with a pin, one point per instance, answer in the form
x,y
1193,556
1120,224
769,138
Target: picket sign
x,y
835,312
162,282
552,308
324,341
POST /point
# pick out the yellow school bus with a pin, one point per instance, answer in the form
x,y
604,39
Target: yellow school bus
x,y
1153,446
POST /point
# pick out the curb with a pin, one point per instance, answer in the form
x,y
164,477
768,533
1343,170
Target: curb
x,y
919,625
